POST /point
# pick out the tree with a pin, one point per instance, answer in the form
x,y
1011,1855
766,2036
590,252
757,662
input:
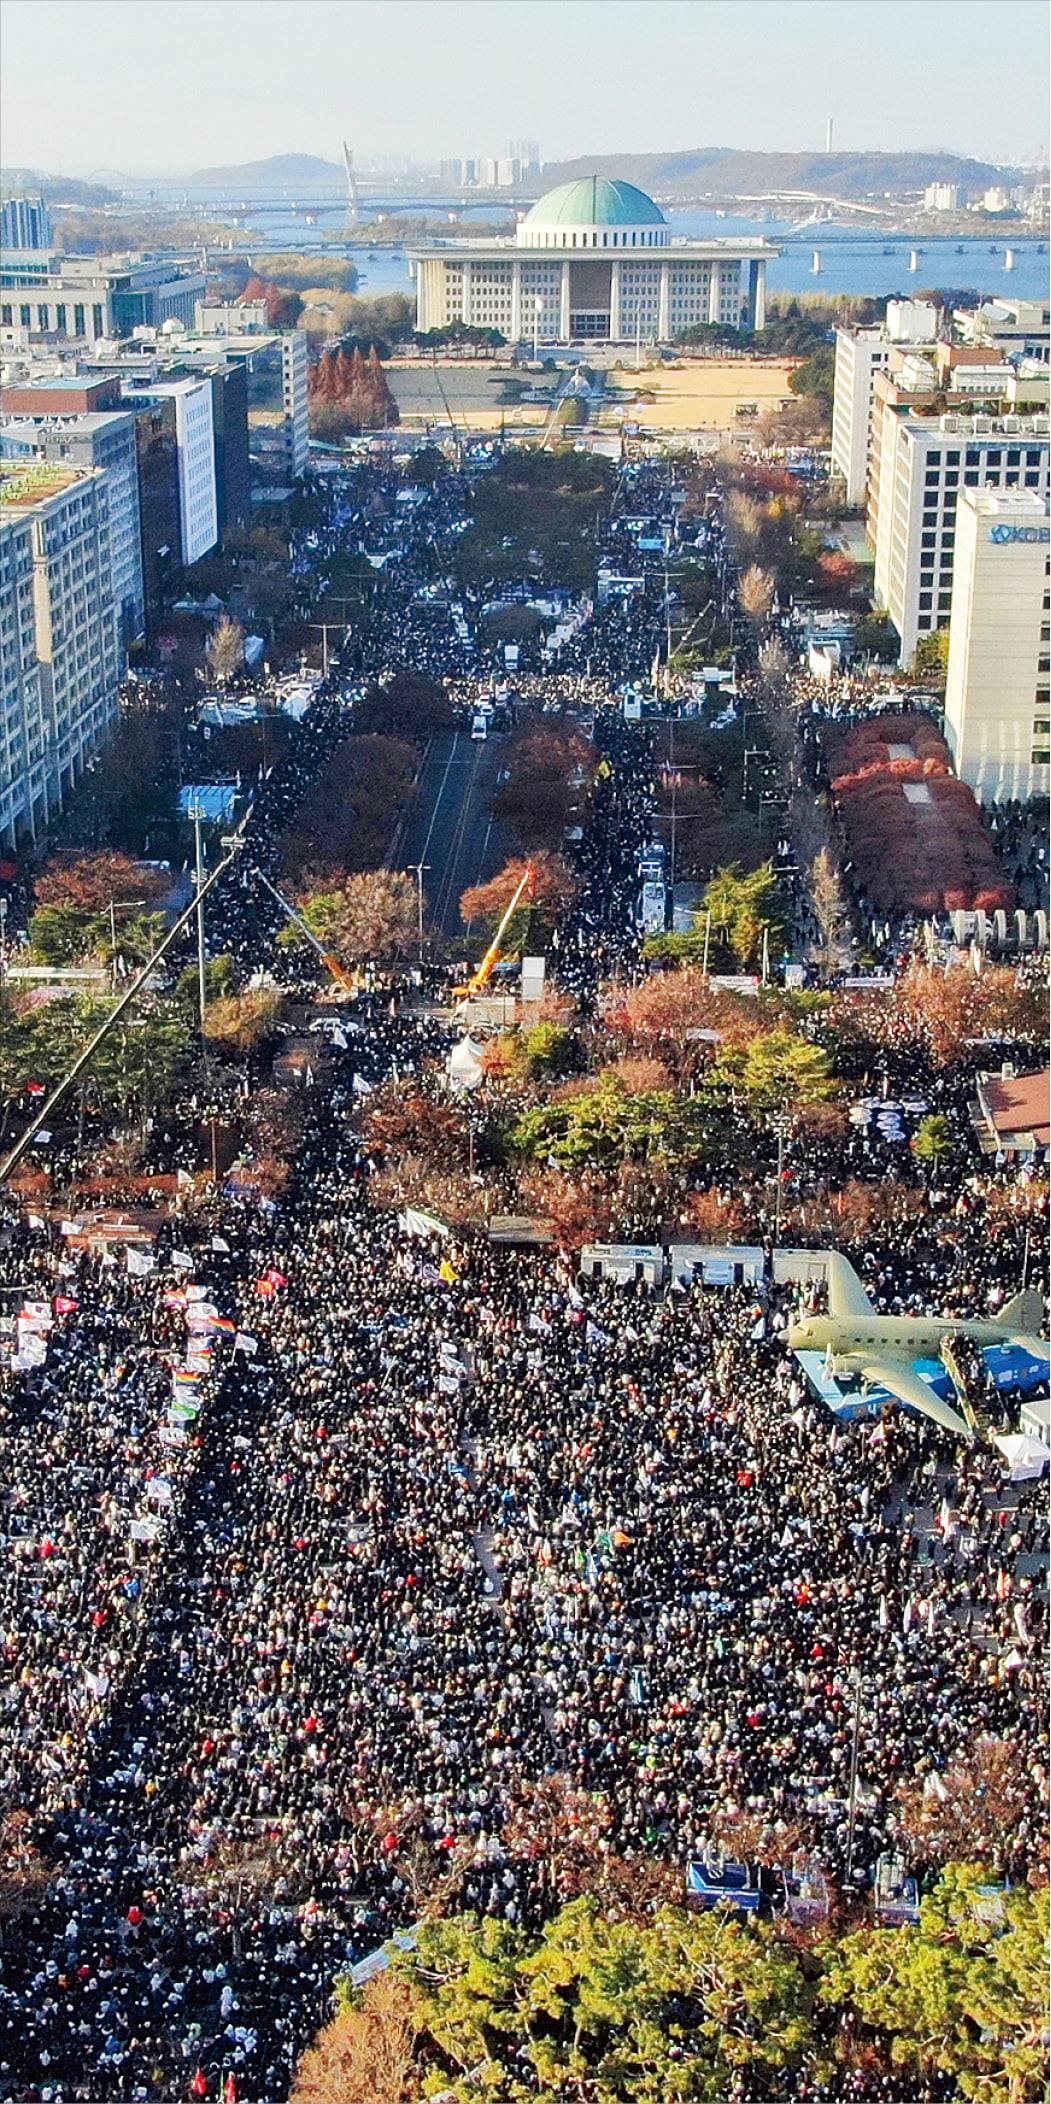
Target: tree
x,y
742,906
933,1139
345,818
829,903
88,882
963,1994
368,2051
756,593
242,1021
372,914
407,706
606,1123
816,378
552,888
775,1071
981,1808
930,659
25,1872
225,650
611,2011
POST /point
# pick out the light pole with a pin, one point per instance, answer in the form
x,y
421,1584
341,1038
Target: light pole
x,y
202,976
420,868
852,1793
781,1124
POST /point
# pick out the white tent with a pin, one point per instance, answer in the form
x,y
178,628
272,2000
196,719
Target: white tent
x,y
464,1065
1026,1457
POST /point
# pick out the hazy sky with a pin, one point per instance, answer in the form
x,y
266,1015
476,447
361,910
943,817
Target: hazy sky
x,y
158,85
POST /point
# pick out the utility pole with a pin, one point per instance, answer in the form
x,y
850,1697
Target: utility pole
x,y
852,1795
202,976
419,868
781,1123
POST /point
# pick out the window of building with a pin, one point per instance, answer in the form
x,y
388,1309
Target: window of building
x,y
1040,756
23,315
925,600
1014,459
924,621
927,540
1032,479
992,459
971,478
1041,726
952,460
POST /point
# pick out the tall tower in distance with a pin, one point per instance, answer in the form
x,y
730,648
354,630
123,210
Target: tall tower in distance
x,y
350,223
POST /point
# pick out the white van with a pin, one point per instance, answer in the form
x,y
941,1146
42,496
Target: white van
x,y
480,725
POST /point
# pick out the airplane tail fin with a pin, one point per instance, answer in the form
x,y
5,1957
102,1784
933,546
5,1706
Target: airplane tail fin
x,y
1025,1312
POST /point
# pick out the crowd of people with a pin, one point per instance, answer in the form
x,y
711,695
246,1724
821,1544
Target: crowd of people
x,y
328,1532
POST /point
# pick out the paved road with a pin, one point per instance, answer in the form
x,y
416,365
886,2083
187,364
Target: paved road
x,y
450,827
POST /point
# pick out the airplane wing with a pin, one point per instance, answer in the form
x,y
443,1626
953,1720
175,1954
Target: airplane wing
x,y
903,1381
847,1298
1024,1313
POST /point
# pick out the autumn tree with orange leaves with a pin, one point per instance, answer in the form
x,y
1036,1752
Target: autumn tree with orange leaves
x,y
548,897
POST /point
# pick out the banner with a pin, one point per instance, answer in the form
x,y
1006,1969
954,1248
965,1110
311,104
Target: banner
x,y
413,1222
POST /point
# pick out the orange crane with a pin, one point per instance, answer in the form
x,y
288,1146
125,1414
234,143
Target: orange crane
x,y
342,978
479,979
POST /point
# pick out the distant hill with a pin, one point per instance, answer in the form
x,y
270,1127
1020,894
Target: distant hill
x,y
57,189
724,171
283,171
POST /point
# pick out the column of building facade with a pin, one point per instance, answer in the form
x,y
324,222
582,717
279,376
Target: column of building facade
x,y
614,300
664,304
759,317
468,293
516,302
563,306
714,288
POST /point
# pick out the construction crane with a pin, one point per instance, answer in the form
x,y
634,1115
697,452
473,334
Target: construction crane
x,y
479,980
332,964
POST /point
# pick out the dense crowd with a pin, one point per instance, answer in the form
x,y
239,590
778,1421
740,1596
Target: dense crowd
x,y
323,1531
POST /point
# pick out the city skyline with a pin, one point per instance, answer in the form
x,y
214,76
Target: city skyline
x,y
795,64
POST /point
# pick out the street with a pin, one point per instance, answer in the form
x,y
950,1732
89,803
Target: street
x,y
450,829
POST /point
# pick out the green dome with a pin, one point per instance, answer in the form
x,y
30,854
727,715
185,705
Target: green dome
x,y
595,200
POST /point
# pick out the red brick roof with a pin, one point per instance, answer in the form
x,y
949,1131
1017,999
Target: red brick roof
x,y
1023,1105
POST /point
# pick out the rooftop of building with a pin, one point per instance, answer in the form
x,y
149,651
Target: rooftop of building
x,y
22,487
595,200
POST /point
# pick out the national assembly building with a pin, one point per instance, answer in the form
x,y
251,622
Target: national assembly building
x,y
593,261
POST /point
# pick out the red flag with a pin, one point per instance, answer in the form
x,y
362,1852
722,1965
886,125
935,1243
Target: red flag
x,y
230,2090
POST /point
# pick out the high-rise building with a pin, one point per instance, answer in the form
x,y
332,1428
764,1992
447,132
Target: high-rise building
x,y
157,449
195,440
998,687
25,222
860,355
61,682
924,465
107,442
942,197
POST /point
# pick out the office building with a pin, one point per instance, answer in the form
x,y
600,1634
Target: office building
x,y
60,670
860,355
25,222
195,454
998,688
107,442
942,197
157,451
593,261
277,364
924,464
92,298
1016,328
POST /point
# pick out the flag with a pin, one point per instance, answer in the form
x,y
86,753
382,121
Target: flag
x,y
63,1305
446,1272
181,1259
360,1086
140,1262
448,1384
537,1322
413,1222
218,1242
34,1220
593,1334
244,1343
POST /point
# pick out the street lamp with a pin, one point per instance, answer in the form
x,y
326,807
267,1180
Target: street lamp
x,y
781,1123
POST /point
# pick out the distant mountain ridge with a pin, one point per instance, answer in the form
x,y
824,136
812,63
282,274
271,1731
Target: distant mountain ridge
x,y
726,171
283,171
